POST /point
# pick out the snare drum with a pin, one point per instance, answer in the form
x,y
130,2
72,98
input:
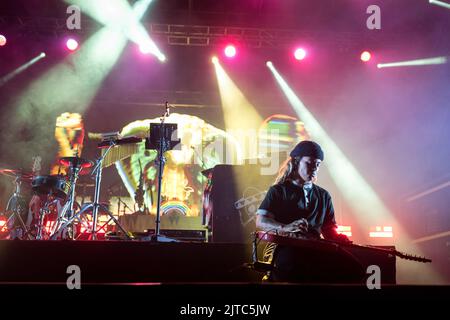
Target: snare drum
x,y
56,185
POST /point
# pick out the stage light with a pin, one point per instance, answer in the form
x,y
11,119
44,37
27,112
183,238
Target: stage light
x,y
269,64
346,230
145,49
365,56
3,224
214,59
2,40
72,44
382,232
348,179
411,63
440,3
149,48
75,82
241,118
300,54
361,197
230,51
123,19
21,69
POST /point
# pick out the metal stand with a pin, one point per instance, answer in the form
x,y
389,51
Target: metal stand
x,y
42,212
96,204
62,222
15,206
162,143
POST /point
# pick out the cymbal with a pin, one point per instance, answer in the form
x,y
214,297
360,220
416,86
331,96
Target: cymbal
x,y
75,162
85,171
16,173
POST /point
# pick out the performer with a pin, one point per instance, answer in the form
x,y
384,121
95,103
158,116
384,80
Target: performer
x,y
296,207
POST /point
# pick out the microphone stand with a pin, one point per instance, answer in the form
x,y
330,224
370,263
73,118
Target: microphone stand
x,y
163,145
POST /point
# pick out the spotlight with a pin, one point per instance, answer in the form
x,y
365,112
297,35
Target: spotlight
x,y
145,49
440,3
72,44
20,69
43,55
150,48
418,62
365,56
2,40
300,54
230,51
214,60
269,64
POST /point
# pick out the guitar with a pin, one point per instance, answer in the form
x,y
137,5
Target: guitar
x,y
331,245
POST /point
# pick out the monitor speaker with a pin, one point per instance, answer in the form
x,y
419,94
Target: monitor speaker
x,y
235,193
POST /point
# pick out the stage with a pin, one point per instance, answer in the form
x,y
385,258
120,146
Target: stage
x,y
145,261
124,262
207,122
179,280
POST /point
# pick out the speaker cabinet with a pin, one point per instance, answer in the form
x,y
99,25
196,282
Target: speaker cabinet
x,y
233,196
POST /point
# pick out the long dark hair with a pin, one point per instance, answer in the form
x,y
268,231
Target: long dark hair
x,y
288,170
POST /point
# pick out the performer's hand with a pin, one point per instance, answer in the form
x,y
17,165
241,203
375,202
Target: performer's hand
x,y
298,226
342,238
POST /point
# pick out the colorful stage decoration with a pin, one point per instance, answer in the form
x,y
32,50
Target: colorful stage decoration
x,y
69,133
202,147
290,131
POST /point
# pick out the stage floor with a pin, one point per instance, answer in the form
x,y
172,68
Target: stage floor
x,y
124,261
174,278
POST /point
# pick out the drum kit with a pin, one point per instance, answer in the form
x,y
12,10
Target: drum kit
x,y
54,195
17,206
50,212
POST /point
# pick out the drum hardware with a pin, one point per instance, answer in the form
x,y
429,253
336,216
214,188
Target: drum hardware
x,y
73,162
46,210
16,204
87,219
17,174
16,207
64,222
95,206
55,185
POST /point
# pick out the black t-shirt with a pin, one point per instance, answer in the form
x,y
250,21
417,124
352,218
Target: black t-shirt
x,y
286,201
